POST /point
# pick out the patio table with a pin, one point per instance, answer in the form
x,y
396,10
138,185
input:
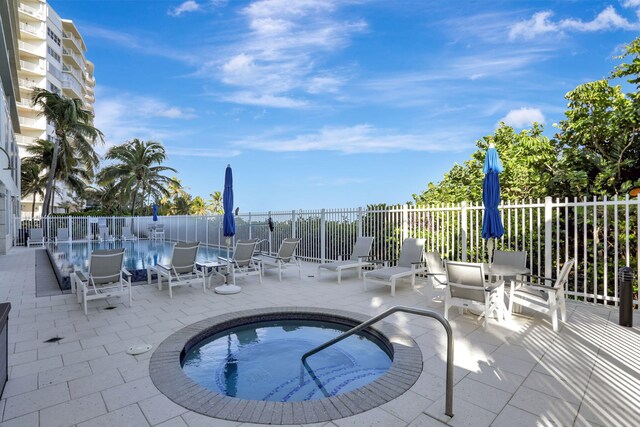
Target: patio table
x,y
210,269
500,270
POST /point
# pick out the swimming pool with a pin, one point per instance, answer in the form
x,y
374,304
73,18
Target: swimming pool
x,y
139,254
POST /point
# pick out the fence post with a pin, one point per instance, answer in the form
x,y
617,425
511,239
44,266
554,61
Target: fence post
x,y
250,231
293,224
360,221
548,236
405,221
322,237
463,233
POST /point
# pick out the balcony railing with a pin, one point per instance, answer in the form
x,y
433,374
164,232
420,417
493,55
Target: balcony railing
x,y
29,84
28,47
32,29
27,121
74,55
37,13
30,66
67,69
70,83
72,38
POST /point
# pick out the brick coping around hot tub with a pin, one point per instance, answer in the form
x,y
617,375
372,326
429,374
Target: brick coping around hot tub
x,y
166,371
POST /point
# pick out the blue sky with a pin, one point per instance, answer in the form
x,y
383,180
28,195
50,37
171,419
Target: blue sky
x,y
322,103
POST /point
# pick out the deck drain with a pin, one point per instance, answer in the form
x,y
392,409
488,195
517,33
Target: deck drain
x,y
139,349
111,307
54,339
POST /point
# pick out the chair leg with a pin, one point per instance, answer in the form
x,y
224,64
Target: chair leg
x,y
129,286
339,276
487,312
170,291
553,311
84,299
148,276
319,273
563,307
393,287
279,273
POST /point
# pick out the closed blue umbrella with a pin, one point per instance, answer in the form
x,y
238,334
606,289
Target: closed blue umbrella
x,y
492,223
228,225
155,212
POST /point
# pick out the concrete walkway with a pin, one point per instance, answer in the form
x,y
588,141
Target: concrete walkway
x,y
517,374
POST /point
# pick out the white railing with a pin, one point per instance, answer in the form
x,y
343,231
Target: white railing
x,y
36,68
37,30
27,83
70,83
27,121
31,10
76,42
600,234
75,56
29,47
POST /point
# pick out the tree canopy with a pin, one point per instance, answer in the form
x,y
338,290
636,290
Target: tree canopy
x,y
595,151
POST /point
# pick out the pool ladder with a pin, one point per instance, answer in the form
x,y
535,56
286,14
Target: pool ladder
x,y
413,310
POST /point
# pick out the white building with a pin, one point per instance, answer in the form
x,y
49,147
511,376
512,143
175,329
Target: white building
x,y
9,124
52,57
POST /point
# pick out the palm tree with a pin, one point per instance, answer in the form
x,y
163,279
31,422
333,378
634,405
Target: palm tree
x,y
70,169
198,206
32,183
215,203
138,170
73,130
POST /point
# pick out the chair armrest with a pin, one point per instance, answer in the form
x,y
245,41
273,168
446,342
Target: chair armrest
x,y
537,277
538,287
81,276
126,272
491,288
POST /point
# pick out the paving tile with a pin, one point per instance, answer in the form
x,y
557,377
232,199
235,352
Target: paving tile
x,y
374,417
159,409
174,422
512,416
35,400
554,387
554,410
125,394
29,420
83,355
35,367
408,406
128,416
94,383
73,411
56,349
465,413
497,378
424,420
15,386
194,419
66,373
482,395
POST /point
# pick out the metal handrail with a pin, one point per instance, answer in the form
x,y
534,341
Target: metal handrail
x,y
413,310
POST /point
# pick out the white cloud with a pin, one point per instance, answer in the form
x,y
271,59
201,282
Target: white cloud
x,y
277,57
540,23
631,3
523,117
124,116
202,152
361,138
185,7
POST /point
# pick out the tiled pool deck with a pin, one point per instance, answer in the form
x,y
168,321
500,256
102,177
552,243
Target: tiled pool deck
x,y
517,374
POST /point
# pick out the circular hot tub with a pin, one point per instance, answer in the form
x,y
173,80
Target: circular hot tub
x,y
246,366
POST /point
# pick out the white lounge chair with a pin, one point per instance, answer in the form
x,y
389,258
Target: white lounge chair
x,y
104,279
243,263
127,234
540,297
510,258
358,259
468,288
182,270
36,237
157,232
62,236
284,259
104,236
437,273
409,265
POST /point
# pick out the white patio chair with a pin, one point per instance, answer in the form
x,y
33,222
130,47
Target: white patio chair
x,y
36,237
243,263
284,259
157,232
104,279
182,269
468,288
104,236
127,234
437,273
511,259
547,299
409,265
358,259
62,236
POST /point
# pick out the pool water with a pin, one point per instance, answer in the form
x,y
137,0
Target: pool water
x,y
261,361
138,255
